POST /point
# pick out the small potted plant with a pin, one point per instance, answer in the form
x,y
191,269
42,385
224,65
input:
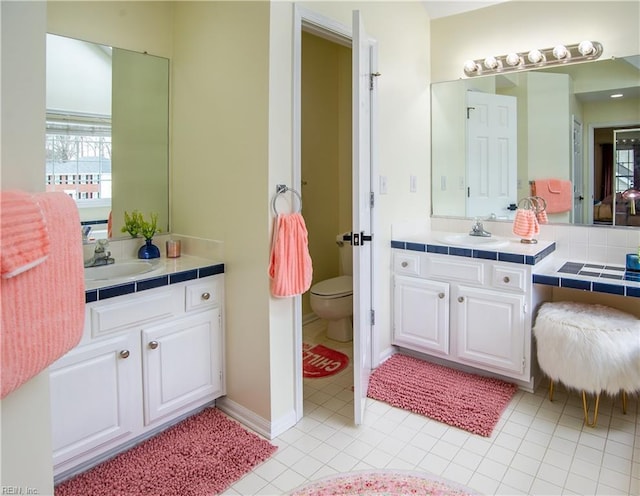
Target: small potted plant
x,y
135,225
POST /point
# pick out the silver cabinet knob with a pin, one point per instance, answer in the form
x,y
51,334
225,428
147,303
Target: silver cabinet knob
x,y
460,299
205,296
405,264
153,344
440,295
124,354
506,279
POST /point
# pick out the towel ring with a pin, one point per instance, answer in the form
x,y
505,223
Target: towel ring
x,y
281,189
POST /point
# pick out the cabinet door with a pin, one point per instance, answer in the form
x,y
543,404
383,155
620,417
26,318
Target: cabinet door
x,y
421,315
181,364
490,330
95,397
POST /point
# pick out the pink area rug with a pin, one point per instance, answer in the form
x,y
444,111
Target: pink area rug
x,y
470,402
382,482
320,361
202,455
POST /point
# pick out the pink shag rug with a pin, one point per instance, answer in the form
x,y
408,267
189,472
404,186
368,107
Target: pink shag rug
x,y
382,482
470,402
202,455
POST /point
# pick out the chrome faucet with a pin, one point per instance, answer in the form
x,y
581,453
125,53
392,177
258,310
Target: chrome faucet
x,y
477,229
100,255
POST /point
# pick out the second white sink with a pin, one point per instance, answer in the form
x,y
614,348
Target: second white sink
x,y
118,270
473,241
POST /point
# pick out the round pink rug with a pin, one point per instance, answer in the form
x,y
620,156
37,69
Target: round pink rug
x,y
383,482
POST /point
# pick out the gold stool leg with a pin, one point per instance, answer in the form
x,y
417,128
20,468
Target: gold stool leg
x,y
586,410
624,402
550,389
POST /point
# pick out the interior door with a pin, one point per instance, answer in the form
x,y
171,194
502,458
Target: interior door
x,y
492,172
362,290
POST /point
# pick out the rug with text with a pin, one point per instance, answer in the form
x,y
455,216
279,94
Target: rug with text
x,y
320,361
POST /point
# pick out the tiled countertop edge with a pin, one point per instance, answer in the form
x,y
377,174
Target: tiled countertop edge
x,y
129,287
497,255
620,288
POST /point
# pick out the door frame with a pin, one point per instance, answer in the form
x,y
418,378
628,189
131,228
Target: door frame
x,y
336,32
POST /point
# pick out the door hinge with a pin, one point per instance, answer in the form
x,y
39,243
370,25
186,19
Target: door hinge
x,y
373,317
524,308
371,199
358,239
371,76
220,376
524,363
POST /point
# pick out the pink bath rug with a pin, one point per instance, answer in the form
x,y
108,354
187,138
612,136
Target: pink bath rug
x,y
200,456
382,482
470,402
320,361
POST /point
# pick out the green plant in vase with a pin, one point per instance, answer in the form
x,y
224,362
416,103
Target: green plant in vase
x,y
135,224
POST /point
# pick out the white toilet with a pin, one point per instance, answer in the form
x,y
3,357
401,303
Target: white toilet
x,y
332,299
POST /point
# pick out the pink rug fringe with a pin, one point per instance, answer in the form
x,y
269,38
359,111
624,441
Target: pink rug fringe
x,y
202,455
470,402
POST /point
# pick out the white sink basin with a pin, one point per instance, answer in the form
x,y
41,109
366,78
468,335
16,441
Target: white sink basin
x,y
118,270
477,242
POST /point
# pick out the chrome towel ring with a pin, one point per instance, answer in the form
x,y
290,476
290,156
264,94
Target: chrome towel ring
x,y
281,189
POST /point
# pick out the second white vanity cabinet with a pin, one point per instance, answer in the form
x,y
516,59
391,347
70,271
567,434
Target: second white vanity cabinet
x,y
469,311
145,359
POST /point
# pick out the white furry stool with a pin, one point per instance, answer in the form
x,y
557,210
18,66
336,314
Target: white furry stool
x,y
589,347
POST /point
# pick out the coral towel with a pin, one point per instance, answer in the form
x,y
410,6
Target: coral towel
x,y
558,193
43,307
24,239
525,224
290,267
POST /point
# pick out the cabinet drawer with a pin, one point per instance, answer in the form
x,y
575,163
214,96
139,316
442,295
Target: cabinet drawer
x,y
406,263
139,309
455,269
510,278
205,294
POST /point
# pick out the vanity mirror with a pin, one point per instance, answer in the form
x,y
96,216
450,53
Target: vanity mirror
x,y
564,117
108,131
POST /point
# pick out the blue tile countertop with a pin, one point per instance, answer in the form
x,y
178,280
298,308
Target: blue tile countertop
x,y
167,271
595,277
507,249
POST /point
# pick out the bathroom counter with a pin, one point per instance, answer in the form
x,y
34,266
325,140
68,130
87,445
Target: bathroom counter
x,y
166,271
509,250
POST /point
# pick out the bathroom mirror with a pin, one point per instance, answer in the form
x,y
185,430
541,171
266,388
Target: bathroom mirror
x,y
560,112
108,131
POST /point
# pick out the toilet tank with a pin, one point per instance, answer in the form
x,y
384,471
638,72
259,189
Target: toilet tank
x,y
346,255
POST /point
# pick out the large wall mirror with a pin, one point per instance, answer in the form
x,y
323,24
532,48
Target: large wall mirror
x,y
108,132
562,126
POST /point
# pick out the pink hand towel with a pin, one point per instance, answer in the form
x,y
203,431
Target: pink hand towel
x,y
290,266
43,308
525,224
24,238
558,193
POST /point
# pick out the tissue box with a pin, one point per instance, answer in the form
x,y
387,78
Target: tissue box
x,y
633,262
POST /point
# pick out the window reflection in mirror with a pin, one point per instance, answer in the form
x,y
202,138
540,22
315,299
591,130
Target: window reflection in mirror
x,y
107,132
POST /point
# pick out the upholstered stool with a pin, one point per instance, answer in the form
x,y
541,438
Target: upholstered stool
x,y
589,347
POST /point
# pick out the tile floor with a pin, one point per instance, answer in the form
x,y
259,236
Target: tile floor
x,y
537,448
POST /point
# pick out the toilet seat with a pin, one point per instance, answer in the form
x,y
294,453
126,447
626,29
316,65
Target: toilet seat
x,y
336,287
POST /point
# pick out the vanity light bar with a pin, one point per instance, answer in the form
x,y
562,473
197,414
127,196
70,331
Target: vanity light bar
x,y
536,58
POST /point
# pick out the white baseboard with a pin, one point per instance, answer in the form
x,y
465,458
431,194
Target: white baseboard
x,y
250,419
308,318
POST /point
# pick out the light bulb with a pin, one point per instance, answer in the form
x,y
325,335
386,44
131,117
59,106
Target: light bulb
x,y
491,62
513,59
535,56
470,67
560,52
586,47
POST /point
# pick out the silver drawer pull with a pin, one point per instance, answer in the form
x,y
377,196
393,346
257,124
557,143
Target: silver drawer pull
x,y
506,279
153,345
440,295
124,354
405,264
460,299
205,296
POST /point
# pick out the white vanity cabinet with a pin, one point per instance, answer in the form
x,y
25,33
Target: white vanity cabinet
x,y
145,359
468,311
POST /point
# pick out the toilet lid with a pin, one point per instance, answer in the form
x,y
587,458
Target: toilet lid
x,y
336,286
